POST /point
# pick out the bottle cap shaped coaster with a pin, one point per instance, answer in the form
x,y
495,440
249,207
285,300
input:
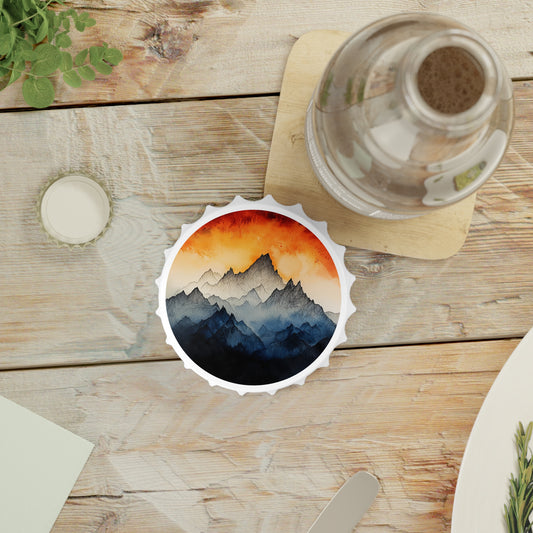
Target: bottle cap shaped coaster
x,y
74,210
254,296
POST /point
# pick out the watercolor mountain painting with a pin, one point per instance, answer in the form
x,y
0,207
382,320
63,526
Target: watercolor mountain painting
x,y
253,297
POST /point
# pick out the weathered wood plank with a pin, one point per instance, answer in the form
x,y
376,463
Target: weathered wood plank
x,y
174,455
163,163
236,47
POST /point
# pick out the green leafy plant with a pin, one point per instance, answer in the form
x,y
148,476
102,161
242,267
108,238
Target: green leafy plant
x,y
518,511
33,43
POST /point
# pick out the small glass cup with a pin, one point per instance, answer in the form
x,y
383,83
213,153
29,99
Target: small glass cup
x,y
412,113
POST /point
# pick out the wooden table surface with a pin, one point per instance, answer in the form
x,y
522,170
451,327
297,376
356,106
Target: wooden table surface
x,y
186,120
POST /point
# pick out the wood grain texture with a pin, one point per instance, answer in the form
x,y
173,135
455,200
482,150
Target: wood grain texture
x,y
174,455
163,164
237,47
98,304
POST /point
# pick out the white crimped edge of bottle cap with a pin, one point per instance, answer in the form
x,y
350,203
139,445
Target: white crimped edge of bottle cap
x,y
218,216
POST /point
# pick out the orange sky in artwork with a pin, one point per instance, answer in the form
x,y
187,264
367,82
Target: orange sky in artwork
x,y
237,239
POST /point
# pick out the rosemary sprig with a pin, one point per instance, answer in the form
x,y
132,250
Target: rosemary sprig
x,y
520,506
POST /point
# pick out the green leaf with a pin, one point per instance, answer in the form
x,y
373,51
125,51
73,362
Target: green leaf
x,y
72,78
96,54
22,44
43,29
48,60
66,62
113,56
103,67
6,44
53,23
81,57
40,44
4,25
38,92
18,68
32,23
28,55
63,40
87,73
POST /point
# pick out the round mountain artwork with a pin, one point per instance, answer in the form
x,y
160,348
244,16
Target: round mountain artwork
x,y
253,297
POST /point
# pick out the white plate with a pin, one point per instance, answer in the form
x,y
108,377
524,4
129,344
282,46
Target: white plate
x,y
490,456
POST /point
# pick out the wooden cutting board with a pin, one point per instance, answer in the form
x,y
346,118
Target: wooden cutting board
x,y
290,178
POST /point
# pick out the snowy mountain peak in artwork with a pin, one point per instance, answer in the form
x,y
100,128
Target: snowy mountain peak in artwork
x,y
207,278
261,276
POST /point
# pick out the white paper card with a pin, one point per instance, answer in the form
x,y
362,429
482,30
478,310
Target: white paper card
x,y
39,464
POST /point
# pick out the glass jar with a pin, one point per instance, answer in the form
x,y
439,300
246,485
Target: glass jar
x,y
412,113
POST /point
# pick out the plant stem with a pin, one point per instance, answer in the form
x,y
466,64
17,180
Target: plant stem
x,y
27,72
31,16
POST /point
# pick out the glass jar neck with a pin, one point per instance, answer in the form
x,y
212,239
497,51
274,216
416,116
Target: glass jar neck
x,y
453,124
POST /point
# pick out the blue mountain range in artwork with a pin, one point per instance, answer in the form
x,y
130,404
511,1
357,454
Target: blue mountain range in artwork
x,y
251,327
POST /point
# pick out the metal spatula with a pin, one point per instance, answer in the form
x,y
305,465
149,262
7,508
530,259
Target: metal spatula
x,y
348,506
